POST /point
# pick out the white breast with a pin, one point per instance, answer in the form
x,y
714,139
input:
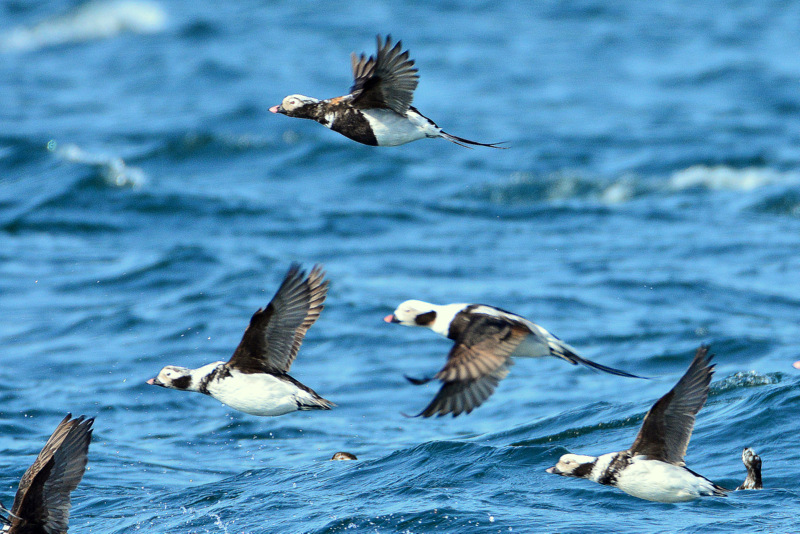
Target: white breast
x,y
256,394
662,482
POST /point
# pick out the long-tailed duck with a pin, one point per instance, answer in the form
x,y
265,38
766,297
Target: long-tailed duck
x,y
341,455
255,380
653,468
42,503
752,463
378,109
485,339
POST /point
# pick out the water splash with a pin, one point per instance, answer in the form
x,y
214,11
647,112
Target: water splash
x,y
745,379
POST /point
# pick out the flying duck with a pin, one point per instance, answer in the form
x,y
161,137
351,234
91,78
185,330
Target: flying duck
x,y
653,468
255,380
378,109
485,339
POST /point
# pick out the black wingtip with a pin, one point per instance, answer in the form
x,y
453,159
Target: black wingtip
x,y
418,381
423,414
703,352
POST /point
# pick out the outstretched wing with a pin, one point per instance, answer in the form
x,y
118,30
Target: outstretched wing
x,y
465,395
387,81
475,365
668,426
43,496
275,333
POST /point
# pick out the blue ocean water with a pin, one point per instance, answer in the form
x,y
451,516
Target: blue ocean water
x,y
150,203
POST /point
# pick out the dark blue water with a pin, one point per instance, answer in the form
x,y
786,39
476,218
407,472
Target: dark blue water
x,y
150,203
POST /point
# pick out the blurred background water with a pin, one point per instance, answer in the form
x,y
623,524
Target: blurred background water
x,y
150,203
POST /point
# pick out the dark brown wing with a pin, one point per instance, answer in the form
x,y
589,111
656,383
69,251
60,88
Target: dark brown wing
x,y
465,395
275,333
387,81
475,365
484,345
43,496
668,426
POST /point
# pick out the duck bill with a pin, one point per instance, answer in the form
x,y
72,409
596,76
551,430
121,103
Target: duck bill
x,y
552,471
154,382
277,109
390,319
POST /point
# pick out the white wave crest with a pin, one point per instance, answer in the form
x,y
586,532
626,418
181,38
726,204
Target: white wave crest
x,y
114,170
723,177
93,20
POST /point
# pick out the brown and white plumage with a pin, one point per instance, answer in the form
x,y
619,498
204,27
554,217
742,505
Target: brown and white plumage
x,y
653,468
485,339
42,503
668,425
255,380
752,462
378,109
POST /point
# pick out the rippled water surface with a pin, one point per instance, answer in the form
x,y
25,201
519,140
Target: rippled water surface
x,y
150,203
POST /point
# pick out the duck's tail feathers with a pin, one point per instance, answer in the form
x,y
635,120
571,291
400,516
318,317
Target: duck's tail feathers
x,y
562,352
466,142
719,491
318,403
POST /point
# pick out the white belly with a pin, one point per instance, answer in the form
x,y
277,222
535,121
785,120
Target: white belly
x,y
662,482
256,394
391,129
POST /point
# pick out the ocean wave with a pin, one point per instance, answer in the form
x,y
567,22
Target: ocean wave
x,y
92,20
113,169
746,379
725,177
523,188
782,203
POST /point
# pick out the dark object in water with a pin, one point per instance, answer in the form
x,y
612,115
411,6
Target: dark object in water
x,y
752,462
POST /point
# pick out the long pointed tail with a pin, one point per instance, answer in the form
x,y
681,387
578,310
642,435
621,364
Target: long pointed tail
x,y
561,351
466,142
599,367
317,403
